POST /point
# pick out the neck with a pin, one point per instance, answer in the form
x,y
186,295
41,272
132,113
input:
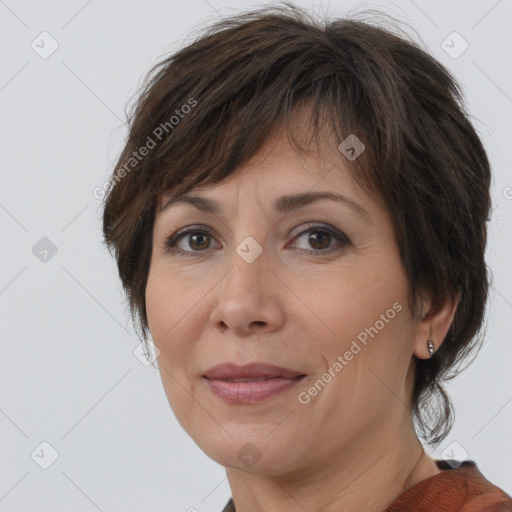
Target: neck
x,y
367,475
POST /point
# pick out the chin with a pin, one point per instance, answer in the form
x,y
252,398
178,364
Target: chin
x,y
250,453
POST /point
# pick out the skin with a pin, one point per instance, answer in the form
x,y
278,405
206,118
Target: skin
x,y
353,446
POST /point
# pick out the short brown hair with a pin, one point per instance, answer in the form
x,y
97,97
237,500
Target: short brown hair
x,y
218,100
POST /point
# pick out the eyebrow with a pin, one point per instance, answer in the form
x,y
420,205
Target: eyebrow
x,y
283,204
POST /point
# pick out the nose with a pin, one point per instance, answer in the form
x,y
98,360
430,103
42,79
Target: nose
x,y
249,299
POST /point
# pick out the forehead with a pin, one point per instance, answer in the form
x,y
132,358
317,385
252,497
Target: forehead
x,y
280,168
281,180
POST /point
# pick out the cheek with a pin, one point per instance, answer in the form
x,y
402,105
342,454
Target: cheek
x,y
359,308
162,306
359,331
156,304
175,312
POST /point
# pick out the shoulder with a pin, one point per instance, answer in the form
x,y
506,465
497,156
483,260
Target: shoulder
x,y
490,502
480,494
460,488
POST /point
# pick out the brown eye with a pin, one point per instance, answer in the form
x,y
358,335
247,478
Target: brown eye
x,y
199,241
318,239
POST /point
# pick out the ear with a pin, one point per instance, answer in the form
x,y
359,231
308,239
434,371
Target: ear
x,y
434,326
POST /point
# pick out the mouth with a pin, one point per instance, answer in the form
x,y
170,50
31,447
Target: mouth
x,y
252,383
252,371
249,379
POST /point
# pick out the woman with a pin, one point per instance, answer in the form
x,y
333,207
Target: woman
x,y
299,221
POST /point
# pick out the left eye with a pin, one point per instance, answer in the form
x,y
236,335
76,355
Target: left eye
x,y
319,237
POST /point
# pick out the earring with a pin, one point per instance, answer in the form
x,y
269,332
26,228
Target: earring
x,y
430,345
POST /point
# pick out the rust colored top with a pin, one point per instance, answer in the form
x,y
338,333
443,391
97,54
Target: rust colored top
x,y
460,487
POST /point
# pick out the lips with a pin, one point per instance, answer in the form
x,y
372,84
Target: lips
x,y
250,384
252,372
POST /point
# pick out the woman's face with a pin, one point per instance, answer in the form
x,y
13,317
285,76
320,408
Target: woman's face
x,y
314,286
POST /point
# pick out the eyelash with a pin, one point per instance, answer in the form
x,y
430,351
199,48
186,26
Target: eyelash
x,y
172,240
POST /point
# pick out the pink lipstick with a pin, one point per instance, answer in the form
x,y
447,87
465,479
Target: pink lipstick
x,y
251,383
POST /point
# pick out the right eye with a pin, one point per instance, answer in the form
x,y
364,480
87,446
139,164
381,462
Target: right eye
x,y
197,239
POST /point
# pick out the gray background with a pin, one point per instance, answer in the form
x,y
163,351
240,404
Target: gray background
x,y
68,373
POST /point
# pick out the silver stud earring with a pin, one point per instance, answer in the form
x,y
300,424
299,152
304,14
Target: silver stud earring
x,y
430,345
